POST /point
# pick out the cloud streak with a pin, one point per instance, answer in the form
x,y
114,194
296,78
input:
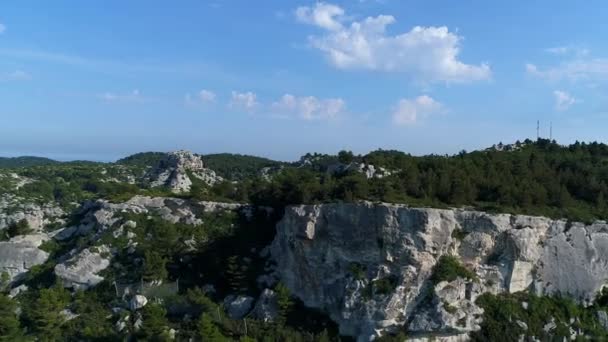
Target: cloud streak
x,y
203,97
132,97
309,107
563,100
411,111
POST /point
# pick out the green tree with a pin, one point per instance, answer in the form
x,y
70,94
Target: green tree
x,y
45,315
19,228
285,303
345,157
154,266
155,324
208,331
236,274
10,328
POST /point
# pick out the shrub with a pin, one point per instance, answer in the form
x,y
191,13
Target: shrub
x,y
448,268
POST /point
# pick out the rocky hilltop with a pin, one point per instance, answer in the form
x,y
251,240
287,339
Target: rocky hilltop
x,y
334,257
174,171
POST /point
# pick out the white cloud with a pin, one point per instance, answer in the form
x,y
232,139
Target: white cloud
x,y
568,49
581,69
2,28
17,75
203,97
563,100
134,96
246,101
309,107
410,111
324,15
430,54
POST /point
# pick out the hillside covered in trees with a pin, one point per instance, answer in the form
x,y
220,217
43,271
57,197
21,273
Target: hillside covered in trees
x,y
188,256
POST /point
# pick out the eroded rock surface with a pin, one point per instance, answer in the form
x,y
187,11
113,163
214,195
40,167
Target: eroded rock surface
x,y
81,271
14,209
333,256
18,257
175,169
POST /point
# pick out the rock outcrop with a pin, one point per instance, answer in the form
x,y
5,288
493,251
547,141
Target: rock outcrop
x,y
81,271
175,169
14,209
334,256
100,215
137,302
19,256
238,306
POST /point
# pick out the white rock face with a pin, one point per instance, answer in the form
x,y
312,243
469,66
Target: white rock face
x,y
16,258
80,272
317,247
172,171
14,209
100,215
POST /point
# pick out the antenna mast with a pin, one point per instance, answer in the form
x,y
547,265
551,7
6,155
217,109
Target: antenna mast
x,y
551,130
537,129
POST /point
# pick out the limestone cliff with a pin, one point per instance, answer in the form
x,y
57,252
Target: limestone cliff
x,y
333,256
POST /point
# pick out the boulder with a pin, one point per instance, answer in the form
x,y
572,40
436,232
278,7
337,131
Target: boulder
x,y
137,302
16,258
266,308
238,306
14,292
81,271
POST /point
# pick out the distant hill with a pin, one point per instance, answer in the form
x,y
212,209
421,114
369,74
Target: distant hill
x,y
238,166
25,161
142,159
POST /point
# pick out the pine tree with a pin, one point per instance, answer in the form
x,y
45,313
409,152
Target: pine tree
x,y
46,313
154,266
9,323
208,331
284,303
155,326
235,275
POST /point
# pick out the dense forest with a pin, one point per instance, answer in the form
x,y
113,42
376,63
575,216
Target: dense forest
x,y
539,178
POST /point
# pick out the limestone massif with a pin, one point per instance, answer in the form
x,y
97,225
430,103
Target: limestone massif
x,y
332,255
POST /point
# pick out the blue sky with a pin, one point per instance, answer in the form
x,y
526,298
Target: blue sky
x,y
104,79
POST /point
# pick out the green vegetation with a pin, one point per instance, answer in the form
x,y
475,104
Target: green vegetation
x,y
448,268
385,285
170,262
238,166
357,271
19,228
10,329
142,159
502,312
539,178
